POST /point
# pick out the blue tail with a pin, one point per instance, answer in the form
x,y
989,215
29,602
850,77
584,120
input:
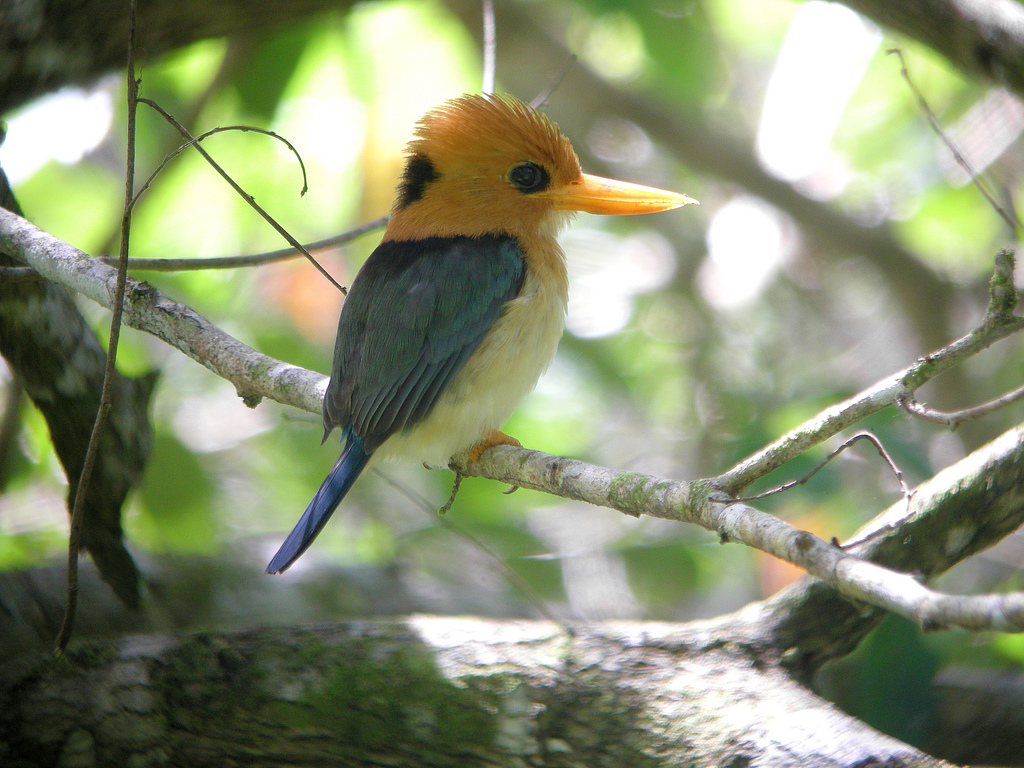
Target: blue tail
x,y
333,489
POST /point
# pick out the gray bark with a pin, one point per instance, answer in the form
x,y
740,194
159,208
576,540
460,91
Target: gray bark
x,y
428,692
431,691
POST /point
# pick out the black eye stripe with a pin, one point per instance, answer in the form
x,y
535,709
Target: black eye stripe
x,y
419,173
529,177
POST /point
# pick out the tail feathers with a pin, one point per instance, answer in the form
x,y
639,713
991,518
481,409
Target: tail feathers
x,y
333,489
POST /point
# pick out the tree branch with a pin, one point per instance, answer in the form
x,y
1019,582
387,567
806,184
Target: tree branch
x,y
430,691
981,37
698,502
254,375
707,503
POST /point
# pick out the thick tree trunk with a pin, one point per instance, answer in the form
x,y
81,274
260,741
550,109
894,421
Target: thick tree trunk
x,y
428,692
438,692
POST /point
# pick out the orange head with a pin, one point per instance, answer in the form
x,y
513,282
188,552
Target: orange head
x,y
488,164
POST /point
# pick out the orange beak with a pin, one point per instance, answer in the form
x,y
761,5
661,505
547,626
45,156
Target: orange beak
x,y
593,194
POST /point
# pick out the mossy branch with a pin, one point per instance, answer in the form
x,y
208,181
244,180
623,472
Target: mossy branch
x,y
709,502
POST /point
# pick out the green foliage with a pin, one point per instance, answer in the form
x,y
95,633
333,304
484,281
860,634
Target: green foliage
x,y
684,387
176,497
889,686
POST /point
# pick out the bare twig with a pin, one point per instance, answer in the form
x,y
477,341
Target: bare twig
x,y
221,129
490,47
1009,217
846,444
541,98
1001,304
954,419
999,322
254,375
243,194
106,395
235,262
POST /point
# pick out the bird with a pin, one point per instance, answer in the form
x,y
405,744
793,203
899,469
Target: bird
x,y
454,316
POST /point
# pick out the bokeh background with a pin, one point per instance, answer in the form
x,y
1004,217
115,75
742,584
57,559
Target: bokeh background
x,y
836,241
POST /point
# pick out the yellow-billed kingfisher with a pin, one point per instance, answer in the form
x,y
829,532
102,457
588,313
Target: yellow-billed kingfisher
x,y
455,315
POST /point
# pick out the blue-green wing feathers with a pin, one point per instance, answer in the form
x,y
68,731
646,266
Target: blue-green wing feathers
x,y
415,314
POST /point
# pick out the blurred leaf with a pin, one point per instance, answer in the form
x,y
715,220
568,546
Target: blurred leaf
x,y
1011,647
177,511
269,68
85,181
892,682
659,572
676,36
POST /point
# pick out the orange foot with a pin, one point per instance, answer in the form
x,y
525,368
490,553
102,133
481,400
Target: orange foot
x,y
494,437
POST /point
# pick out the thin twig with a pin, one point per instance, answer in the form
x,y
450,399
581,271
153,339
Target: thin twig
x,y
954,419
510,573
1002,301
542,98
235,262
999,322
490,47
106,396
243,194
221,129
846,444
1009,218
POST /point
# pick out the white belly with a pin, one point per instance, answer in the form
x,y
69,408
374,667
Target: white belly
x,y
502,371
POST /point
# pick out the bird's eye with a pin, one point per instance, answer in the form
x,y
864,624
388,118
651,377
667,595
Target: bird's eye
x,y
529,177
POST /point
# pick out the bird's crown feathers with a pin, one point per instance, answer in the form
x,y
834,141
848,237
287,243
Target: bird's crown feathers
x,y
464,173
475,126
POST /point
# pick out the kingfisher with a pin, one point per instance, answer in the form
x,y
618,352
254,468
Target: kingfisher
x,y
454,316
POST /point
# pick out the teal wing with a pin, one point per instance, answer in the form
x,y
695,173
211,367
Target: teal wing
x,y
415,313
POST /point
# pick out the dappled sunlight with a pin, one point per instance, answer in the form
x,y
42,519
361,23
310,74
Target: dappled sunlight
x,y
63,127
836,242
822,60
748,242
607,271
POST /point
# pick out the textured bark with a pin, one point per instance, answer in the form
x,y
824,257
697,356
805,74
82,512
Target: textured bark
x,y
729,691
428,692
963,510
